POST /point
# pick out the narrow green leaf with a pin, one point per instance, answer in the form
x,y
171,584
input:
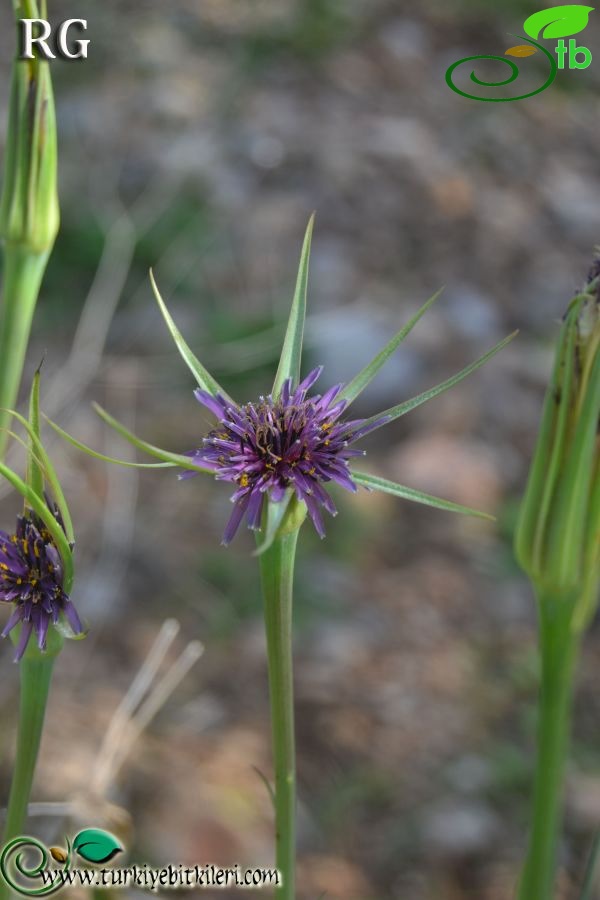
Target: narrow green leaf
x,y
291,354
272,519
111,459
398,490
44,465
39,506
35,478
202,376
358,384
394,412
588,884
178,459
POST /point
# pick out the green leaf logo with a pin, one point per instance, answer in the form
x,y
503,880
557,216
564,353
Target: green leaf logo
x,y
96,846
558,22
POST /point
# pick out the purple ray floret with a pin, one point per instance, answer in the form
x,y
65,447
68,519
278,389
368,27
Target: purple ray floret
x,y
31,577
293,441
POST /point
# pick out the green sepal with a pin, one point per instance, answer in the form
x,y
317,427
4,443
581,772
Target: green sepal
x,y
177,459
360,382
35,477
294,517
395,412
272,517
111,459
374,482
39,464
570,517
280,519
546,461
202,375
64,629
291,354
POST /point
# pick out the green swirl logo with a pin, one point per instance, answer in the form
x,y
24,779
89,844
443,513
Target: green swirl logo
x,y
556,22
25,860
514,74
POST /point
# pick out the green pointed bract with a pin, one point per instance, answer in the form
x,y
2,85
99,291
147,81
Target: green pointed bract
x,y
286,516
79,445
291,354
558,534
375,483
178,459
273,516
35,477
40,471
395,412
360,382
280,518
40,468
202,375
39,461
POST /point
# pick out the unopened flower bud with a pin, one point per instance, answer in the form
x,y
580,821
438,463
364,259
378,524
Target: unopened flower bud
x,y
29,209
558,534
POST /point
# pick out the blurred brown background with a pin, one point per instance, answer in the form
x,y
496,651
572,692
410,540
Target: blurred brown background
x,y
197,138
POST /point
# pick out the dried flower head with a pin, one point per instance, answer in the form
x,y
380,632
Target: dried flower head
x,y
31,577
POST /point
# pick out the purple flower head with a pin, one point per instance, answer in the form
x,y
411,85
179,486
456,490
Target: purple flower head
x,y
31,577
288,446
294,441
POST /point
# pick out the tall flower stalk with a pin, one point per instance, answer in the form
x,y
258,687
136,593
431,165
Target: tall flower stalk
x,y
558,545
36,579
29,212
277,575
280,454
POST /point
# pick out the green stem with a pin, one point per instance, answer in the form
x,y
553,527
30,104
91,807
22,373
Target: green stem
x,y
277,570
36,673
23,273
559,646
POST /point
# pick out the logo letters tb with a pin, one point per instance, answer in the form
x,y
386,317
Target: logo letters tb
x,y
574,52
